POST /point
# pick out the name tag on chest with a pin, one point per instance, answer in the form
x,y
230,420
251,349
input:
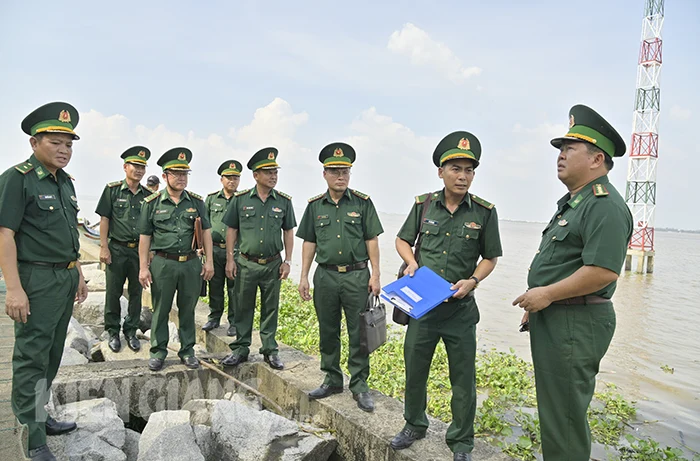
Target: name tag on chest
x,y
47,197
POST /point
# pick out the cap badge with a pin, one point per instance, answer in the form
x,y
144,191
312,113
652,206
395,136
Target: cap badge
x,y
181,156
64,116
572,121
271,156
142,153
464,144
338,152
232,166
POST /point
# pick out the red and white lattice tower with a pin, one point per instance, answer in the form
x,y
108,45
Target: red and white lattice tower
x,y
644,149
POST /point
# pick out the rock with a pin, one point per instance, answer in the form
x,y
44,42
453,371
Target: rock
x,y
200,350
95,277
200,411
202,435
76,337
146,318
72,357
276,437
124,308
125,353
174,335
250,400
131,445
168,436
92,310
96,353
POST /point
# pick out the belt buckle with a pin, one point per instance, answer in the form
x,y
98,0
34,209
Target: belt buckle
x,y
343,269
182,259
131,244
71,265
262,261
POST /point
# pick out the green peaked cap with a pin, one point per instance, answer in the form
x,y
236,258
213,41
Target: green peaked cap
x,y
337,155
265,159
230,168
136,154
178,159
54,117
587,125
457,145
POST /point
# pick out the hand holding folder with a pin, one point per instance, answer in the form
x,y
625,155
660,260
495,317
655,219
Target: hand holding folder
x,y
419,294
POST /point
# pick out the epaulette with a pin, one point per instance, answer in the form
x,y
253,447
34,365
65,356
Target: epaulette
x,y
482,202
25,167
71,177
422,198
197,196
287,196
213,193
316,197
241,192
114,184
599,190
151,197
362,195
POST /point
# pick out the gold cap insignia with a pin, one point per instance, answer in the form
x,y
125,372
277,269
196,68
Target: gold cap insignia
x,y
142,153
338,152
271,156
64,116
181,156
232,166
572,121
464,144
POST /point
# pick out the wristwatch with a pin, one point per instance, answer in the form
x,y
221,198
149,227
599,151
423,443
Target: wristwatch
x,y
289,262
476,279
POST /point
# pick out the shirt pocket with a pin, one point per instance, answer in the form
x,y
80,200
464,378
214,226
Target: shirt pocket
x,y
558,243
353,227
431,237
49,213
120,208
161,221
248,219
276,216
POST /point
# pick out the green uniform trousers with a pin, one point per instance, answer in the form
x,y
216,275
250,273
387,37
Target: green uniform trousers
x,y
39,343
334,293
170,276
251,276
455,323
216,289
125,265
568,343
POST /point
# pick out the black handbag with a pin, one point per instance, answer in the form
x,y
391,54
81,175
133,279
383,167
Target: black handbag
x,y
372,325
398,316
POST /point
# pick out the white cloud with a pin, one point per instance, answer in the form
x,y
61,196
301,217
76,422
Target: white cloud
x,y
415,43
680,113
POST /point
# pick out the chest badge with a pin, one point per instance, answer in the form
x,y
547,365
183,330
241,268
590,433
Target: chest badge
x,y
161,211
431,221
353,214
472,225
47,197
276,210
191,210
247,208
563,222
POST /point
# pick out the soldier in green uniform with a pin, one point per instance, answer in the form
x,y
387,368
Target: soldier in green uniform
x,y
459,241
571,280
39,259
217,202
341,228
262,221
166,225
119,209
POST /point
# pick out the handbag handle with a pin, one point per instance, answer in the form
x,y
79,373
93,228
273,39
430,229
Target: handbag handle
x,y
373,302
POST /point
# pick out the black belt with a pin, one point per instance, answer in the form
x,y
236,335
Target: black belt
x,y
68,265
346,267
177,257
583,300
125,244
267,260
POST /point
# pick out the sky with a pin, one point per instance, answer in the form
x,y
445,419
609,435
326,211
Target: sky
x,y
226,79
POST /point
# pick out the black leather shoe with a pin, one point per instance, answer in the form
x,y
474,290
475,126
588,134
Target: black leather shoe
x,y
190,362
461,456
274,361
155,364
210,325
114,343
133,343
364,401
405,438
231,331
54,427
324,390
233,359
41,453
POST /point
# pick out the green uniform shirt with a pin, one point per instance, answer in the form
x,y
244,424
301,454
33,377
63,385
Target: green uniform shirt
x,y
217,203
123,209
453,242
340,230
592,228
170,224
42,210
260,224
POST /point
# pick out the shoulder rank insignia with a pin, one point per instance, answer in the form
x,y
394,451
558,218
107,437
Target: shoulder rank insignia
x,y
362,195
316,197
241,192
287,196
71,177
25,167
151,197
114,184
482,202
422,198
197,196
213,193
599,190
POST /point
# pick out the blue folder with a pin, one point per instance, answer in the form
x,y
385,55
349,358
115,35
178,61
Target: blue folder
x,y
417,295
